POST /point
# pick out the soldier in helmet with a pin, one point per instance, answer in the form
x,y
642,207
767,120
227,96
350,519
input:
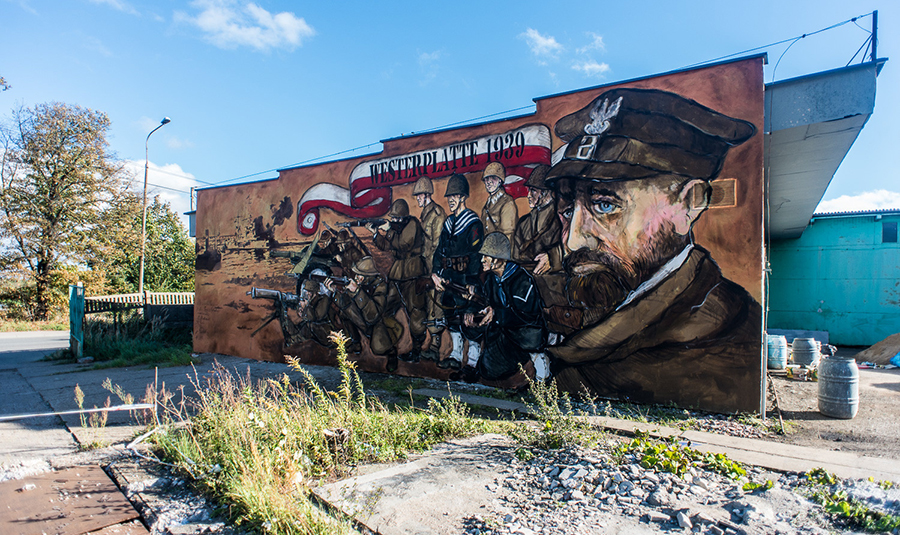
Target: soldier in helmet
x,y
515,328
538,235
432,218
403,237
318,315
362,304
500,212
456,259
348,250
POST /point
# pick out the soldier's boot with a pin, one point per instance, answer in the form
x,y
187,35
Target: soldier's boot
x,y
413,355
392,362
541,366
454,360
434,350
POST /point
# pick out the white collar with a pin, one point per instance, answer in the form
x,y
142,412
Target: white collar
x,y
659,276
496,195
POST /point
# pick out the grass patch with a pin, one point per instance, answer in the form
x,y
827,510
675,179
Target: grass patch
x,y
257,448
26,326
132,341
844,510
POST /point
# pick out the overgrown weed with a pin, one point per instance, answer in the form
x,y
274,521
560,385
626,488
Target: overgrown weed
x,y
844,510
559,425
258,447
132,341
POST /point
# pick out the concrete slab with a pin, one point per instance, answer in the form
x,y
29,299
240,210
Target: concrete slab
x,y
428,496
471,399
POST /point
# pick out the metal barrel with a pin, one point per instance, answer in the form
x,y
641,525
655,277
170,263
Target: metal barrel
x,y
805,351
838,387
776,351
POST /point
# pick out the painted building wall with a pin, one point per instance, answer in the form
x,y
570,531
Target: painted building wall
x,y
654,291
839,276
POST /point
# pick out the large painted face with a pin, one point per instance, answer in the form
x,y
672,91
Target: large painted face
x,y
454,202
492,184
422,199
618,234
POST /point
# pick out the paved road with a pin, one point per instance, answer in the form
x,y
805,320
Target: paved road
x,y
31,437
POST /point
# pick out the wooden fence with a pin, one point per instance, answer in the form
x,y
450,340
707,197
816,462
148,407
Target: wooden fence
x,y
121,302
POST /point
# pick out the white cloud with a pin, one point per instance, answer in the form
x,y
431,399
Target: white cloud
x,y
169,181
229,24
92,43
117,5
592,68
880,199
428,65
545,48
595,44
177,143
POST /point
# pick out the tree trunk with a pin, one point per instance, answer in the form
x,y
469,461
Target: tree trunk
x,y
42,291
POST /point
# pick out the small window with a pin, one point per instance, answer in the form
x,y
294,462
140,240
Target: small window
x,y
889,232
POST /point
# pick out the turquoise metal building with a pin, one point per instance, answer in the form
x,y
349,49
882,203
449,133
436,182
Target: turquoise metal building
x,y
842,275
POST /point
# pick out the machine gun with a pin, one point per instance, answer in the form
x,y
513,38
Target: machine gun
x,y
282,301
363,222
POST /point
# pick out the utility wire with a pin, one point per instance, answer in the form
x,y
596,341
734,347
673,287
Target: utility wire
x,y
833,26
791,40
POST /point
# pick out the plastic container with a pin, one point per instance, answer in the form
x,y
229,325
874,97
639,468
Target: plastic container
x,y
776,351
838,387
805,352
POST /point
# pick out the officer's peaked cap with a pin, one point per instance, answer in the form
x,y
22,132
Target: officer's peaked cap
x,y
627,134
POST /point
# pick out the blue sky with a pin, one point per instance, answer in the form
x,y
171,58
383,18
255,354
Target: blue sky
x,y
252,87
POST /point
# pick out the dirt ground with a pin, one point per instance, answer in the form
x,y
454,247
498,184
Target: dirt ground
x,y
874,432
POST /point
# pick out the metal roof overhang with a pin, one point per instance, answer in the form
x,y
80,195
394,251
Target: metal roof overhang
x,y
811,122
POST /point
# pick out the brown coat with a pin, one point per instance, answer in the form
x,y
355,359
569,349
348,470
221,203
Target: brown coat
x,y
695,340
501,215
406,244
433,217
539,231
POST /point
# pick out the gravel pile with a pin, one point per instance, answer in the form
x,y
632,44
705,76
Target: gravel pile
x,y
586,491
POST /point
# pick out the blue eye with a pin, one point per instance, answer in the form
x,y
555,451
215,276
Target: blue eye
x,y
604,207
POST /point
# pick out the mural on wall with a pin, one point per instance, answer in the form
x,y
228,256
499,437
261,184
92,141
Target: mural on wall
x,y
568,249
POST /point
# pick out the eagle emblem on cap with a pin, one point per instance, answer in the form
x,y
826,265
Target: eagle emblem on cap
x,y
600,116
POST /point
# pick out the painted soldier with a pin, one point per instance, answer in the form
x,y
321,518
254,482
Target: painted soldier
x,y
631,181
500,212
348,250
404,238
537,240
457,260
318,315
362,303
515,328
432,219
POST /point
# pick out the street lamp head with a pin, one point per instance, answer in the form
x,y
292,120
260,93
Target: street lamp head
x,y
166,120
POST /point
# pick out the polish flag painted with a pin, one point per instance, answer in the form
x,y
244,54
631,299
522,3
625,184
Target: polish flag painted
x,y
369,194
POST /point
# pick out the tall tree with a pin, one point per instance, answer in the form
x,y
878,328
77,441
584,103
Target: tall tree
x,y
57,178
169,264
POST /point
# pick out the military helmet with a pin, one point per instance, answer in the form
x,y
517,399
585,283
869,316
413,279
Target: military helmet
x,y
494,169
399,209
457,185
365,266
537,178
496,245
423,185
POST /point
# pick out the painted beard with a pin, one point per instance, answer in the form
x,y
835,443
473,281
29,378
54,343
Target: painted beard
x,y
600,280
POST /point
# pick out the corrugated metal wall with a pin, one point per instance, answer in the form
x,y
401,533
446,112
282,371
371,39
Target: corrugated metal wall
x,y
840,276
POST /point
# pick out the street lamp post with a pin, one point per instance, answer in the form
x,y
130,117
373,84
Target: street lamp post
x,y
163,123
